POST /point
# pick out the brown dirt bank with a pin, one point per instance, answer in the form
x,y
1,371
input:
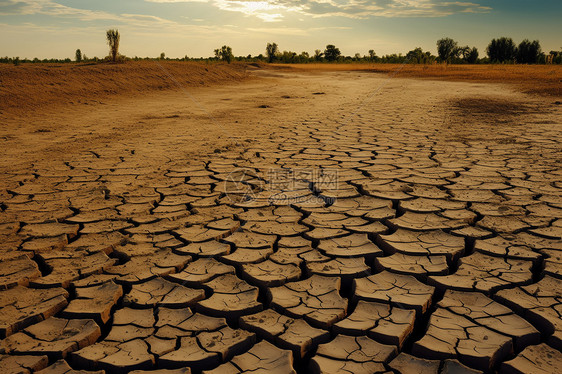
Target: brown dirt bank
x,y
536,79
31,86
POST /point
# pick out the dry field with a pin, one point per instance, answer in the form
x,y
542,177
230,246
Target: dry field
x,y
537,79
279,219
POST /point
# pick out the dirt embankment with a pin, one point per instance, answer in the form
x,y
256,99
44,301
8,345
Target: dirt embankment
x,y
535,79
32,86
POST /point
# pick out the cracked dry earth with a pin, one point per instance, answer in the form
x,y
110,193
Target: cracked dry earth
x,y
348,233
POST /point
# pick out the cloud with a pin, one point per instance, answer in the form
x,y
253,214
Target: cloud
x,y
52,8
268,10
275,10
264,9
90,19
293,31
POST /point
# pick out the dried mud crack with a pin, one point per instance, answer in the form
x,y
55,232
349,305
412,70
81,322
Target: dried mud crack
x,y
375,242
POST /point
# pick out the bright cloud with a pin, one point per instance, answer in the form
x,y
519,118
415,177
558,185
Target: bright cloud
x,y
275,10
138,22
52,8
266,10
270,10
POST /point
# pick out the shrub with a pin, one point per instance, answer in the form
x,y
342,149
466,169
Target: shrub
x,y
224,53
418,56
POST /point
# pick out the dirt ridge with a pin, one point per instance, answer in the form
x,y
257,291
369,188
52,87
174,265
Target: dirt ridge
x,y
32,86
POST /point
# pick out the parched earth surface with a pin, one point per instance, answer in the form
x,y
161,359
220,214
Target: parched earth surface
x,y
324,223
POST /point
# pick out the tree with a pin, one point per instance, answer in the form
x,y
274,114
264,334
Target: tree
x,y
469,55
304,56
528,52
113,38
472,55
162,56
554,57
331,53
462,52
224,53
372,54
78,55
318,55
416,56
288,57
447,49
501,50
271,50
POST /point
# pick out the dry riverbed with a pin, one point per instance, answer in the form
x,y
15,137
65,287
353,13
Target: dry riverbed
x,y
295,221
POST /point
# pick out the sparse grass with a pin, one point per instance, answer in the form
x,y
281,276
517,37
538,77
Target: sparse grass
x,y
537,79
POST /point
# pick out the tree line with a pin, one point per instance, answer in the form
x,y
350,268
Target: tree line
x,y
500,50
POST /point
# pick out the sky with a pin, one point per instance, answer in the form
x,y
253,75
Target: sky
x,y
56,28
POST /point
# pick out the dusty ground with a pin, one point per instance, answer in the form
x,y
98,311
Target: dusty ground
x,y
34,87
545,80
325,222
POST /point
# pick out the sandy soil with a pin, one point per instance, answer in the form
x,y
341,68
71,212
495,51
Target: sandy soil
x,y
545,80
292,221
33,87
235,113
